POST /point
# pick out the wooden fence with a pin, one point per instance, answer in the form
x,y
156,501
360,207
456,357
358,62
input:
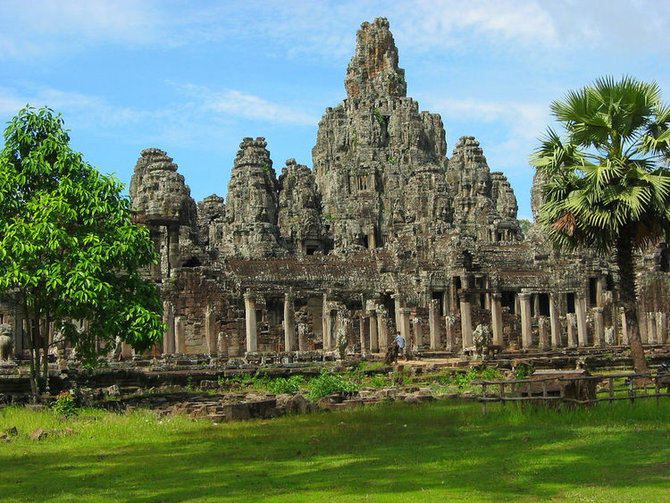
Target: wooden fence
x,y
582,390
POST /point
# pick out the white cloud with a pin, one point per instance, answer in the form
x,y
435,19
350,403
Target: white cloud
x,y
233,103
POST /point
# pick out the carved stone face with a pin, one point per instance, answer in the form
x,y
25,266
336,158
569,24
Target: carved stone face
x,y
5,329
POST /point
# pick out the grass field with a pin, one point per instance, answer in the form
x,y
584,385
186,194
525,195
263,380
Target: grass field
x,y
447,451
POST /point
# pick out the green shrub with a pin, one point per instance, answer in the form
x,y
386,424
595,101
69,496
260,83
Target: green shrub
x,y
326,384
64,404
476,374
282,385
379,381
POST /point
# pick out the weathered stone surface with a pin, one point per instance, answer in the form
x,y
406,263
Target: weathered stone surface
x,y
251,207
484,206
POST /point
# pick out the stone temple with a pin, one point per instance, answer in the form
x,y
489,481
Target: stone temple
x,y
386,233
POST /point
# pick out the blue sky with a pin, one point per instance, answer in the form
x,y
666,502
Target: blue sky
x,y
195,77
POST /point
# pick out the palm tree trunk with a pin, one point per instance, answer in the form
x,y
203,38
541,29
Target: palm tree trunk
x,y
626,265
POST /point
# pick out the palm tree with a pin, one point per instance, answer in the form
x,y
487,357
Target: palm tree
x,y
607,179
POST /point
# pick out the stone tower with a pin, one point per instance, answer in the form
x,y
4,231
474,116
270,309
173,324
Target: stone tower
x,y
250,229
163,201
484,204
376,153
299,217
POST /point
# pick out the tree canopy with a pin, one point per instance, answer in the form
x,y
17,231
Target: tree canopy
x,y
607,182
69,250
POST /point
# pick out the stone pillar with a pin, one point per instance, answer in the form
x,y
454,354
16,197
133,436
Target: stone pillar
x,y
466,322
449,332
18,333
526,323
290,340
374,340
250,322
404,328
173,247
418,334
211,334
126,351
221,344
303,332
661,330
651,328
179,335
361,328
543,330
169,335
496,319
572,329
554,321
332,329
433,324
324,321
601,290
598,327
582,333
536,304
383,329
398,306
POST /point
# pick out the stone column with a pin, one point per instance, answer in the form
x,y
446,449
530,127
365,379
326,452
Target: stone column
x,y
449,332
536,304
324,321
169,336
418,334
433,324
173,247
582,333
303,332
601,288
211,334
651,328
543,330
18,333
374,340
383,329
466,322
361,329
404,328
398,306
526,323
598,327
554,321
572,329
661,331
250,322
496,319
290,340
179,335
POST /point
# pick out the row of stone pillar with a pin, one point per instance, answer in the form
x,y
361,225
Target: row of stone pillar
x,y
374,328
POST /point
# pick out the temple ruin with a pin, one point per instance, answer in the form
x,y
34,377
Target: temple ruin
x,y
386,233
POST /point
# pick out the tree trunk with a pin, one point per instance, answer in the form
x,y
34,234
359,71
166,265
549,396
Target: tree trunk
x,y
45,350
34,359
626,265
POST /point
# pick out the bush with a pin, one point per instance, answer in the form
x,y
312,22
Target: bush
x,y
64,405
327,384
282,385
475,374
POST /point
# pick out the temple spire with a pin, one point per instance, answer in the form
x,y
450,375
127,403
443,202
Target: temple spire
x,y
373,71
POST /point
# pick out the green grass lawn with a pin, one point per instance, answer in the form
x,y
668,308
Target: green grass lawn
x,y
447,451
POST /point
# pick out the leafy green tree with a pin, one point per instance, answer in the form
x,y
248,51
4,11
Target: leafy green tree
x,y
525,225
607,179
68,248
